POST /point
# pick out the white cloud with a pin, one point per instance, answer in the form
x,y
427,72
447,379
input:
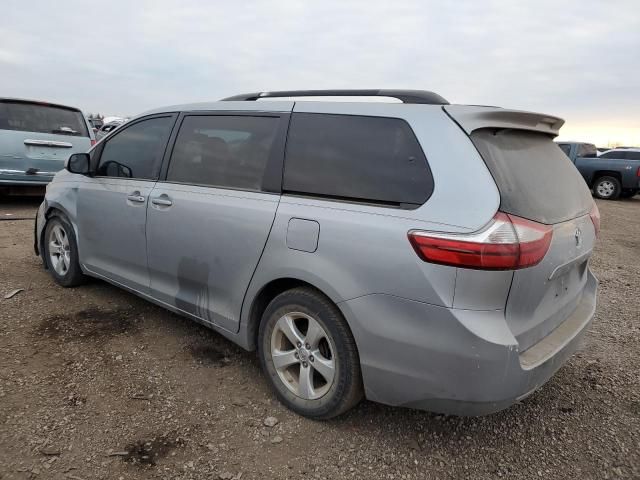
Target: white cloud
x,y
573,58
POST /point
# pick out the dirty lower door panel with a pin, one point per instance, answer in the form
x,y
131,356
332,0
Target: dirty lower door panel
x,y
111,215
203,246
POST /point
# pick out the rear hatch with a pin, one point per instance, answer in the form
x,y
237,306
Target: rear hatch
x,y
36,138
538,182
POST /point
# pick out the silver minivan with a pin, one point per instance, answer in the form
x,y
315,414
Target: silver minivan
x,y
36,138
418,253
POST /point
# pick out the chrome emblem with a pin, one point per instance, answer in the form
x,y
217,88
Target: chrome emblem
x,y
303,354
578,237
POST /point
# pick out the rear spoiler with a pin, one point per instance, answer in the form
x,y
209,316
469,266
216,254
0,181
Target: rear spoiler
x,y
38,102
471,117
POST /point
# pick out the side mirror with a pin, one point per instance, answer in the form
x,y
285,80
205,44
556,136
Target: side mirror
x,y
78,163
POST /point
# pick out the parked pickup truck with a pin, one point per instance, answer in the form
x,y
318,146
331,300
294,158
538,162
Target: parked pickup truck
x,y
615,173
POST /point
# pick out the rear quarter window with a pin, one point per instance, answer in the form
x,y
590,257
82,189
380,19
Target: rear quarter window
x,y
535,178
40,118
356,158
587,150
614,154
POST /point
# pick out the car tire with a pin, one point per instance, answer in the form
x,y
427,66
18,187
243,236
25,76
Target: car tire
x,y
607,188
308,353
61,252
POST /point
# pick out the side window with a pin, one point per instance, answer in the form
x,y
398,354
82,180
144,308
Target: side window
x,y
223,151
633,155
614,154
136,152
371,159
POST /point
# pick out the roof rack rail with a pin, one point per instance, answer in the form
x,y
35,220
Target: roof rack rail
x,y
406,96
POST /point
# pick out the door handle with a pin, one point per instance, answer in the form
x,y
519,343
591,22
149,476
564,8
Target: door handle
x,y
135,197
162,200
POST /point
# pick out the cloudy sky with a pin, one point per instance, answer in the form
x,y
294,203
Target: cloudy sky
x,y
579,59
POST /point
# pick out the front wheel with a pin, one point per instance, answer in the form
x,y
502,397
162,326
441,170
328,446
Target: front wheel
x,y
61,252
309,355
607,188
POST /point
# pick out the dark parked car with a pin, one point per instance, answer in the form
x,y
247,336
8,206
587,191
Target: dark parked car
x,y
108,128
578,149
614,174
96,123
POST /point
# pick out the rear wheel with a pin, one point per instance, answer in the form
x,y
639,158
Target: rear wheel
x,y
309,355
61,252
607,188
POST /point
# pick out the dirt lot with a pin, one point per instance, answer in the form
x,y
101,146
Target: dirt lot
x,y
96,383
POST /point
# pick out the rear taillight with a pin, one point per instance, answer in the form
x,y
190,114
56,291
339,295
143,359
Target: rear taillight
x,y
638,172
506,243
595,218
93,142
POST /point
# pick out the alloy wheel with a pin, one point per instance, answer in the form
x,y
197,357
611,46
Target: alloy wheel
x,y
303,355
59,250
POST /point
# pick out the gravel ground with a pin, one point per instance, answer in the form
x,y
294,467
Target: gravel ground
x,y
96,383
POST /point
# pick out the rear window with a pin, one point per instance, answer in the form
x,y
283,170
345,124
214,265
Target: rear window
x,y
587,150
535,178
33,117
566,148
356,158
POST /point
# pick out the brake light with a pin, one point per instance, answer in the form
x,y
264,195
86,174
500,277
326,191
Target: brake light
x,y
595,218
93,142
506,243
638,172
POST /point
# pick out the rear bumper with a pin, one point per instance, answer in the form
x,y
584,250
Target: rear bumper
x,y
15,178
454,361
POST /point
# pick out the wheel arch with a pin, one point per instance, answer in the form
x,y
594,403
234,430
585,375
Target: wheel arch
x,y
605,173
52,209
256,305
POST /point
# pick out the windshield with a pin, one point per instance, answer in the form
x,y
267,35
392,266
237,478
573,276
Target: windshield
x,y
34,117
